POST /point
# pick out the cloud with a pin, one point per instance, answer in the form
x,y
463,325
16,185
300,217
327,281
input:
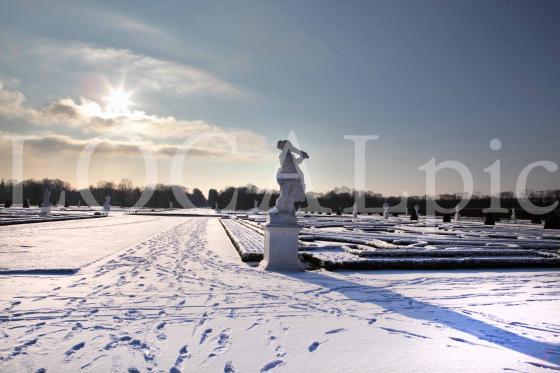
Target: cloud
x,y
11,103
92,117
64,111
141,71
122,132
8,81
39,146
118,25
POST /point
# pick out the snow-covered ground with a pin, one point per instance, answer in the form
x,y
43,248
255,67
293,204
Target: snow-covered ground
x,y
182,300
71,244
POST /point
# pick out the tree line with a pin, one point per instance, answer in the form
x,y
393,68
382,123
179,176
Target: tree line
x,y
125,194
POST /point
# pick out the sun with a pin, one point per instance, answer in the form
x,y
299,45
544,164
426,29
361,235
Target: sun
x,y
118,100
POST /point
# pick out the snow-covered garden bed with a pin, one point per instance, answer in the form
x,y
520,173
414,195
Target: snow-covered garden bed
x,y
13,216
398,243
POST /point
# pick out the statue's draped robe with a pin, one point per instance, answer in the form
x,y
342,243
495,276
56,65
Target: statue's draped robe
x,y
290,177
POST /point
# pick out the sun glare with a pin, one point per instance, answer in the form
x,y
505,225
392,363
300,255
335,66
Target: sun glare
x,y
118,100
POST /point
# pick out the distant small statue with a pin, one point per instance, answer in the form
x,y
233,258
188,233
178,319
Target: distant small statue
x,y
255,209
291,181
107,204
415,213
46,204
385,210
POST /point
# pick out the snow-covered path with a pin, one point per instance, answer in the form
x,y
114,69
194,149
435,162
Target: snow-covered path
x,y
183,301
71,244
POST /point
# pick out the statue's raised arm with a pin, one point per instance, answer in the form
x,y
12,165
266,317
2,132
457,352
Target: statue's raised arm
x,y
287,146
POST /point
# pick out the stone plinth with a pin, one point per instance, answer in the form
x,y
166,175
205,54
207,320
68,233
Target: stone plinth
x,y
281,247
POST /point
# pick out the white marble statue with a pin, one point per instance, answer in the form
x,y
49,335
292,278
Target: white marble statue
x,y
513,216
281,231
62,199
355,211
386,210
46,204
291,181
107,204
255,209
457,214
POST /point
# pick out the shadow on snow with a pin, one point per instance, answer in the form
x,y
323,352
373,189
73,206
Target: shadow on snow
x,y
416,309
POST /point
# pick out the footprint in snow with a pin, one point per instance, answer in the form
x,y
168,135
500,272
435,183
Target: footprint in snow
x,y
19,349
280,351
228,368
203,319
183,355
461,340
335,331
273,364
75,348
313,346
205,335
254,325
224,338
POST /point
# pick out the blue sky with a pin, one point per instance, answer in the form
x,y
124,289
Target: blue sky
x,y
431,78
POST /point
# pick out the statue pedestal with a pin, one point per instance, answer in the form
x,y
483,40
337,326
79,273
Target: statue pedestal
x,y
281,247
